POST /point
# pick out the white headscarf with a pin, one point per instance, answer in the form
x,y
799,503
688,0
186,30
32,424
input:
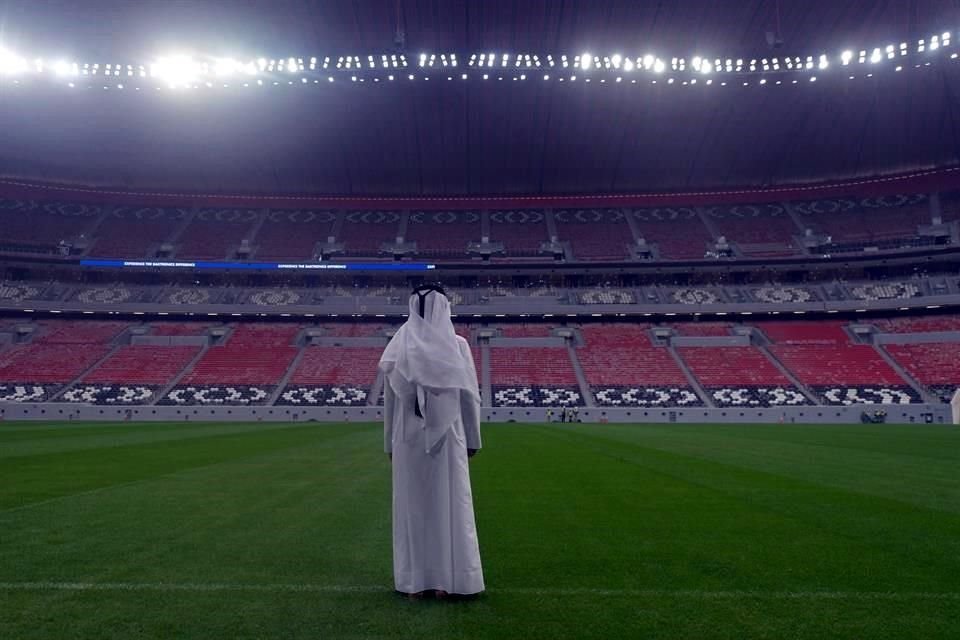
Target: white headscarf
x,y
426,355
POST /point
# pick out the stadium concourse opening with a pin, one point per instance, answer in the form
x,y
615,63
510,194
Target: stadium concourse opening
x,y
705,257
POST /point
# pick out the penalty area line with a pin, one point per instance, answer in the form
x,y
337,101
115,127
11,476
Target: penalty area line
x,y
691,594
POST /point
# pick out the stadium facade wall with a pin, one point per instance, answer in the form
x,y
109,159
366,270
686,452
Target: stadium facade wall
x,y
907,414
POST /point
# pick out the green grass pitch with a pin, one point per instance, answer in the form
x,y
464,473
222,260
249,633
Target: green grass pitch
x,y
589,531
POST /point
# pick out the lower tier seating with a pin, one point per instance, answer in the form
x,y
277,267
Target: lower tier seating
x,y
530,376
935,365
740,377
622,364
257,354
624,368
332,376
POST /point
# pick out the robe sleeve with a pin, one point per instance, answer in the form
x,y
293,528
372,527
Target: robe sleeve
x,y
470,413
469,404
389,405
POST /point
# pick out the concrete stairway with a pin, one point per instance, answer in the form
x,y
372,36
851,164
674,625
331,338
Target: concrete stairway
x,y
585,392
691,379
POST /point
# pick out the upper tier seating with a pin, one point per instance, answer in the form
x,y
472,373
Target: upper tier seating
x,y
732,366
805,332
918,325
77,331
622,354
142,364
354,329
678,232
134,232
595,234
758,230
531,366
364,232
525,330
443,234
867,219
254,354
214,234
292,235
701,328
178,328
33,227
521,232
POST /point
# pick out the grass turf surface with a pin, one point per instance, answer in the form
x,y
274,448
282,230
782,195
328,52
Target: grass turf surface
x,y
666,531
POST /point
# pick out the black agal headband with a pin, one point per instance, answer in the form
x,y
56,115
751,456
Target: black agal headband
x,y
423,290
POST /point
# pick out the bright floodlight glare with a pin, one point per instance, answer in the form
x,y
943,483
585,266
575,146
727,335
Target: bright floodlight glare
x,y
706,67
846,57
616,60
175,70
225,66
824,62
11,63
648,61
63,68
659,66
585,60
628,65
876,56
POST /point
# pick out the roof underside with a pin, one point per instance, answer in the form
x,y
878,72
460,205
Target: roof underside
x,y
476,137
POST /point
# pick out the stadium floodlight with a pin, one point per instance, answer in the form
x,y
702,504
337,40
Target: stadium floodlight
x,y
11,63
628,65
585,61
824,62
176,71
659,66
648,61
846,57
876,57
616,60
705,67
225,67
63,68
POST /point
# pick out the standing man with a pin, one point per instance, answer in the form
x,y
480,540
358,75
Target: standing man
x,y
431,428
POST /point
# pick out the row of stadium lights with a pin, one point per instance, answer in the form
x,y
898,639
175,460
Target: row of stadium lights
x,y
645,314
185,72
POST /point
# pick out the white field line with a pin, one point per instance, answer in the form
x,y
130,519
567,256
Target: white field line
x,y
690,594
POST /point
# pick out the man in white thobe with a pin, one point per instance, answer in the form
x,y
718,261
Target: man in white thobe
x,y
431,428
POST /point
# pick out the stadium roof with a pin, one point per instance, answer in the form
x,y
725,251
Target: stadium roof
x,y
471,136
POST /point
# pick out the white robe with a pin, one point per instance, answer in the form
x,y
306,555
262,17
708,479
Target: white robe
x,y
434,532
